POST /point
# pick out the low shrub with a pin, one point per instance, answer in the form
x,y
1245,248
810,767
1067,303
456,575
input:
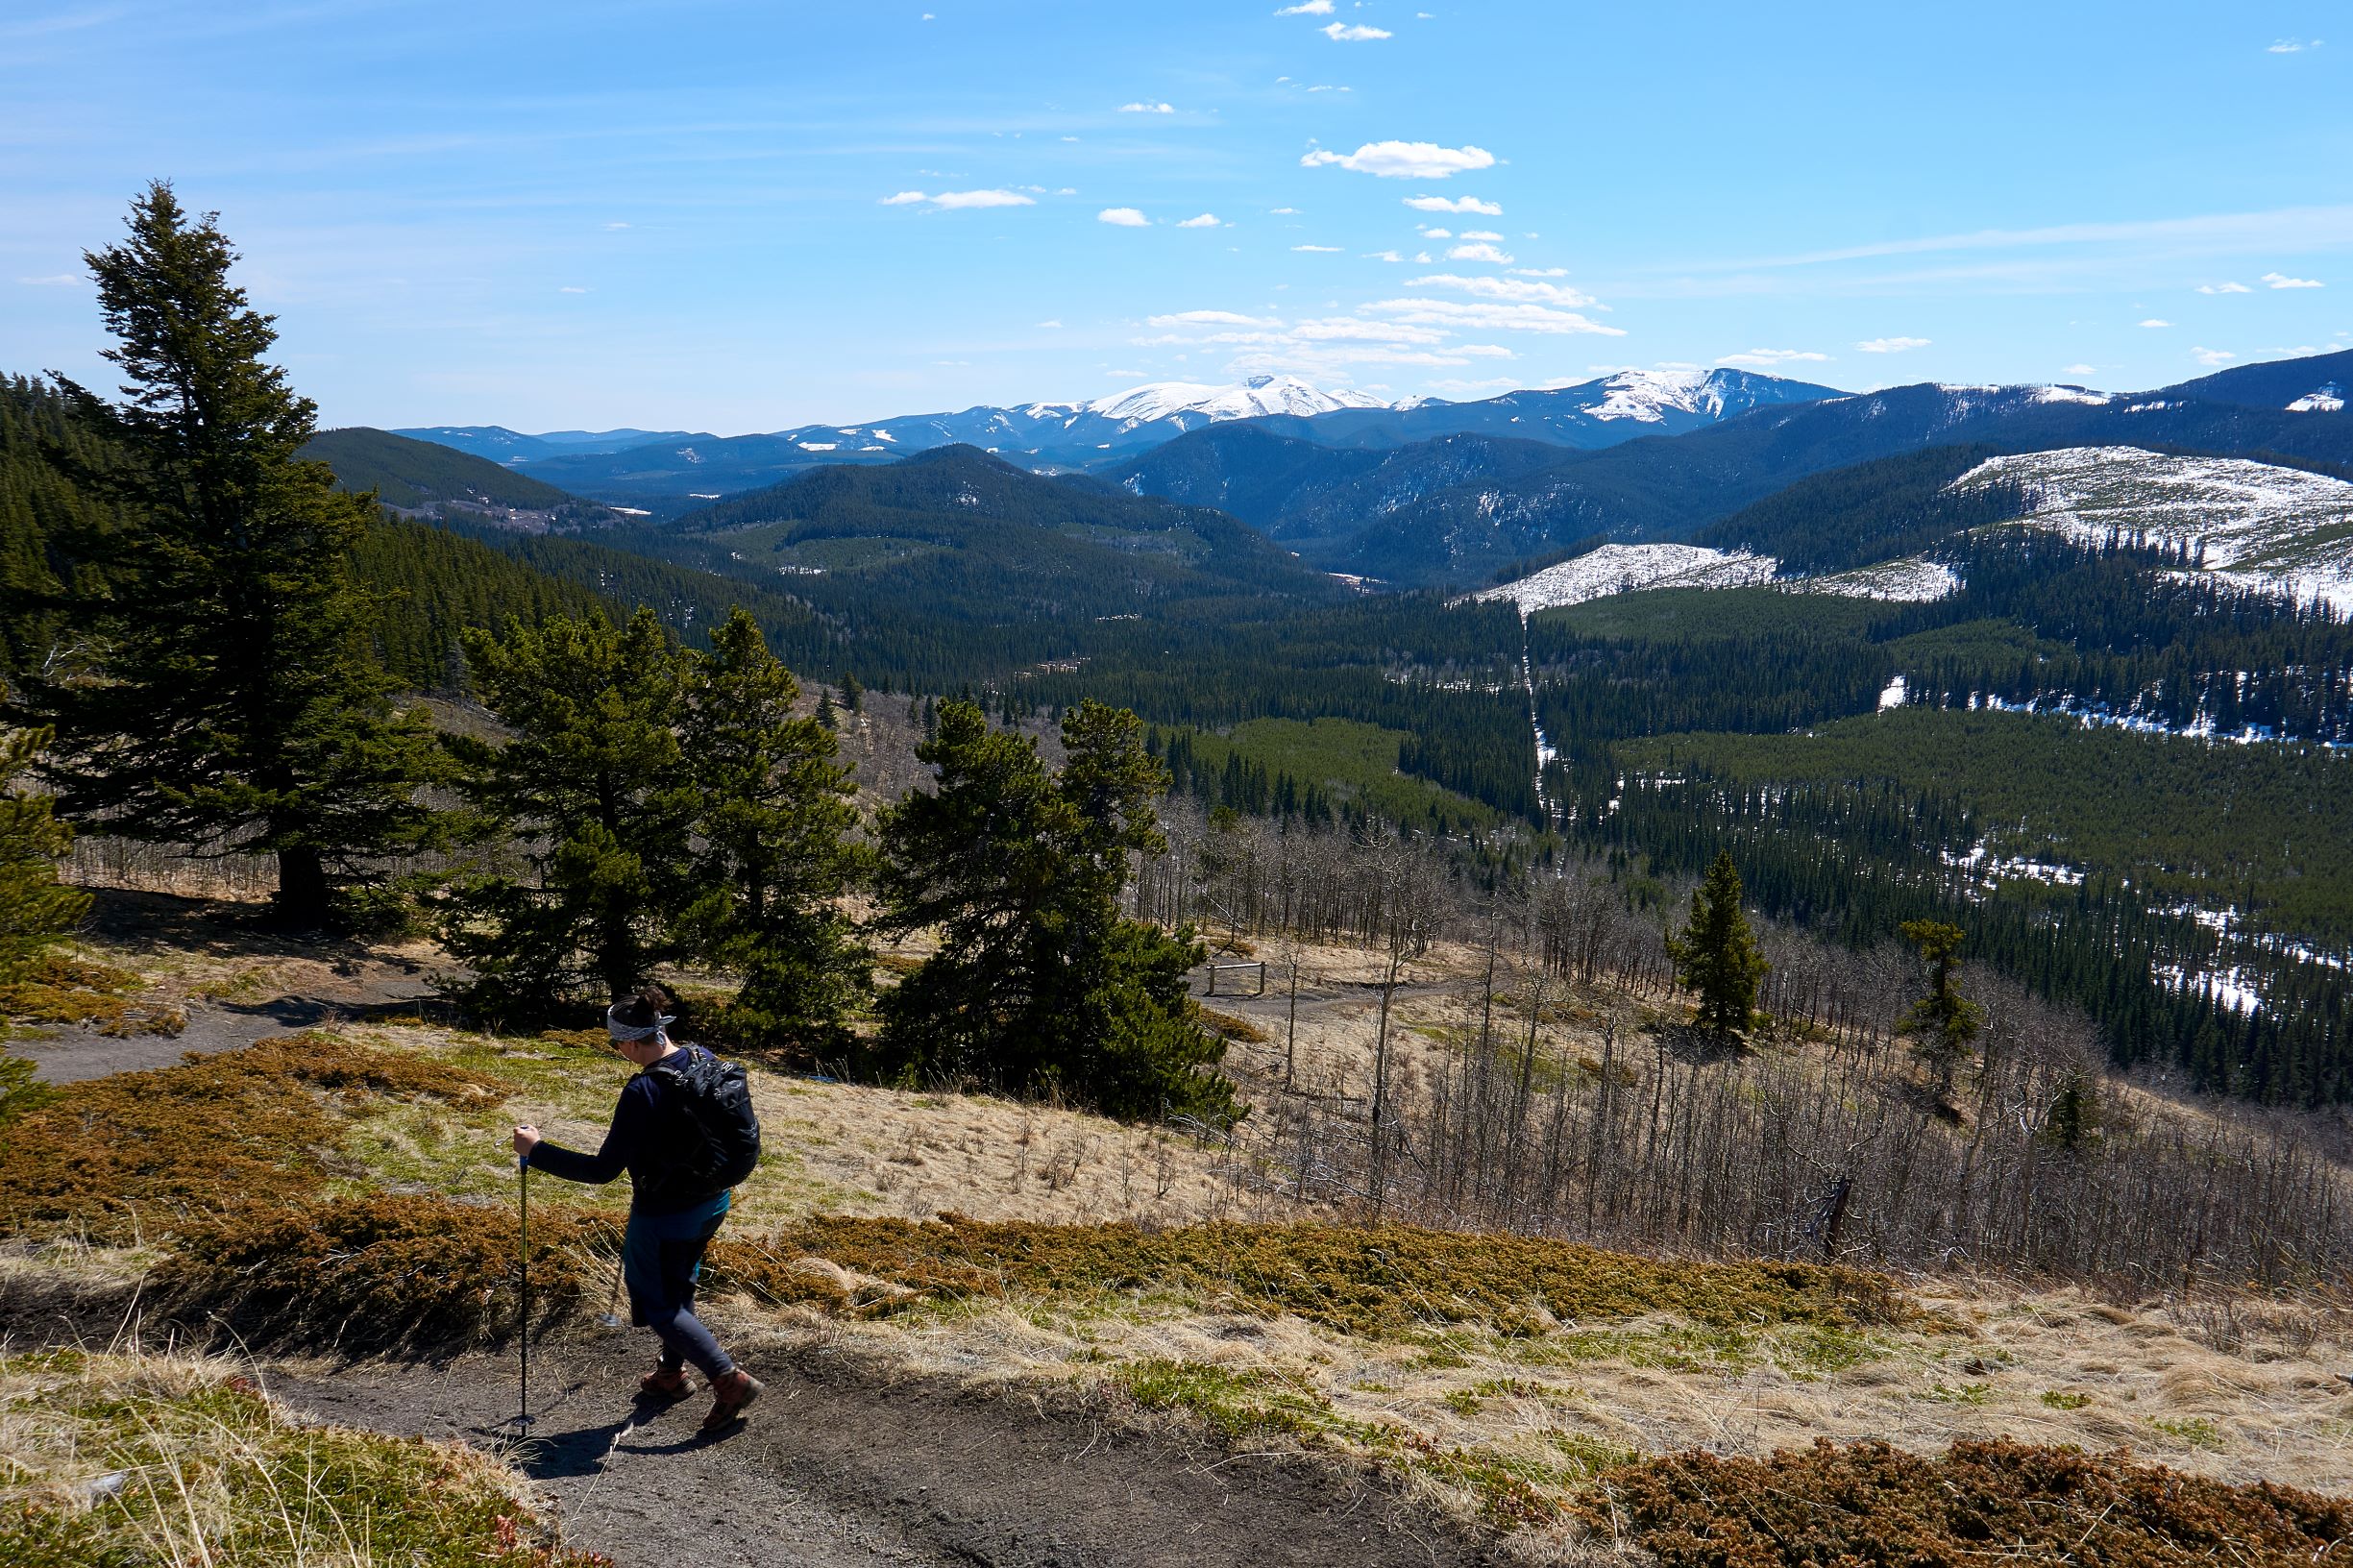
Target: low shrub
x,y
67,991
1387,1280
378,1273
117,1156
1989,1501
1235,1028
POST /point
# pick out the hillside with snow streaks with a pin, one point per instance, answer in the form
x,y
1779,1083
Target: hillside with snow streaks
x,y
2276,529
1624,568
1913,580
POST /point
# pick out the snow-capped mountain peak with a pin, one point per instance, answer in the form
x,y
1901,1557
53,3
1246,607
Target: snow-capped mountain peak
x,y
1253,399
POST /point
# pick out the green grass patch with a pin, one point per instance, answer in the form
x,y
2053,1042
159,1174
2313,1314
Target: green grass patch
x,y
119,1462
1354,761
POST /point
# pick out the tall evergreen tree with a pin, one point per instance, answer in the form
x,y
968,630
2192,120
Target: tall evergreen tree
x,y
36,907
1716,954
1944,1024
774,815
1037,979
225,697
593,796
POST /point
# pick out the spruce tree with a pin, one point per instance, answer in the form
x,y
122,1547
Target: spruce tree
x,y
592,797
1944,1024
774,815
1716,954
36,907
1037,979
223,696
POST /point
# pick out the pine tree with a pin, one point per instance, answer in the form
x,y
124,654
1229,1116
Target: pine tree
x,y
225,697
854,695
36,909
593,795
774,815
1943,1026
1038,980
1716,954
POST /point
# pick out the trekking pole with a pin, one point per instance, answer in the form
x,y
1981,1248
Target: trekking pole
x,y
523,1228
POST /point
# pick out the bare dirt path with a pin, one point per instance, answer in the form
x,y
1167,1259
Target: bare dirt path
x,y
845,1466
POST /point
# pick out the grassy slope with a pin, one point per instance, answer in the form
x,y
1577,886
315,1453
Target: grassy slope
x,y
2162,810
1355,761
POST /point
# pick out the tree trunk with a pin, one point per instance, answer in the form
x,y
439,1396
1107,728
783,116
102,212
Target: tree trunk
x,y
300,904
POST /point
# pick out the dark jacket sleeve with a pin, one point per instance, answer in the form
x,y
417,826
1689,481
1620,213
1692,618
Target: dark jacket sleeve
x,y
632,1122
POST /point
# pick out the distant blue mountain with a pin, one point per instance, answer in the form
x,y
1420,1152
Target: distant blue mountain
x,y
513,448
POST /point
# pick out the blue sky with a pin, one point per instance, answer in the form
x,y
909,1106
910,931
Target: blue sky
x,y
683,215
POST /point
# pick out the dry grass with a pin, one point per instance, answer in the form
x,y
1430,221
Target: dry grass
x,y
128,1458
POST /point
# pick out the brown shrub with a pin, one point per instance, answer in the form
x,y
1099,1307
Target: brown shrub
x,y
1234,1026
1383,1281
215,1133
67,991
378,1272
1982,1500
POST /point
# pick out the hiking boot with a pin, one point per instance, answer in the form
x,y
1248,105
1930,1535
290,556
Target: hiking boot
x,y
665,1383
729,1395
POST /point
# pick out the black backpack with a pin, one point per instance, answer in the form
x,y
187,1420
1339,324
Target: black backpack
x,y
712,1132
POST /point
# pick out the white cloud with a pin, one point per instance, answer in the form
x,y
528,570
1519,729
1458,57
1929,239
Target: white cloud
x,y
2213,357
1207,220
1460,204
1055,326
2080,370
1209,318
1123,217
1345,33
2224,289
1891,345
954,200
55,279
1353,329
2280,280
1480,234
1493,255
1428,232
1325,250
1404,159
1506,318
1541,272
2293,46
2154,321
1383,255
1329,87
1147,109
1284,211
1774,356
1130,375
1506,288
572,288
616,226
1308,8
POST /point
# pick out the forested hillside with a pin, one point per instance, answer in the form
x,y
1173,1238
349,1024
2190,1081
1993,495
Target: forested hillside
x,y
421,475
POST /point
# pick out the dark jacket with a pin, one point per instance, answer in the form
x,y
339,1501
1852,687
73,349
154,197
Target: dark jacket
x,y
650,1139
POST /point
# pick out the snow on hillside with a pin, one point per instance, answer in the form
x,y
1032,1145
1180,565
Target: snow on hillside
x,y
1624,569
2323,399
2271,527
1913,580
1259,396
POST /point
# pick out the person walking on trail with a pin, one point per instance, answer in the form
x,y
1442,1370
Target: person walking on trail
x,y
685,1132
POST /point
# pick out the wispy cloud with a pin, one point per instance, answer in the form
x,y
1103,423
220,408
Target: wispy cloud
x,y
1321,250
954,200
1480,234
1205,220
2155,322
55,279
2213,357
1384,256
1506,288
1308,8
1404,159
2293,46
2080,370
1459,204
572,288
1209,318
1890,345
2224,289
2298,228
1508,318
2280,280
1052,326
1759,358
1123,217
1284,211
1493,255
1147,109
1356,32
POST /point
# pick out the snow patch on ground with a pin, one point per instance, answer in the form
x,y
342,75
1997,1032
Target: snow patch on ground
x,y
1913,580
1624,569
2275,528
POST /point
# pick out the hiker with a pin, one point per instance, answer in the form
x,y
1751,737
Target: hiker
x,y
685,1132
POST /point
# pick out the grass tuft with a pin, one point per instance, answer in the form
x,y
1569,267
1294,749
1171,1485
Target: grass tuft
x,y
75,992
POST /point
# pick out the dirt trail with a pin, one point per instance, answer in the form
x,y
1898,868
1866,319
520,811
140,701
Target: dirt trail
x,y
845,1467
